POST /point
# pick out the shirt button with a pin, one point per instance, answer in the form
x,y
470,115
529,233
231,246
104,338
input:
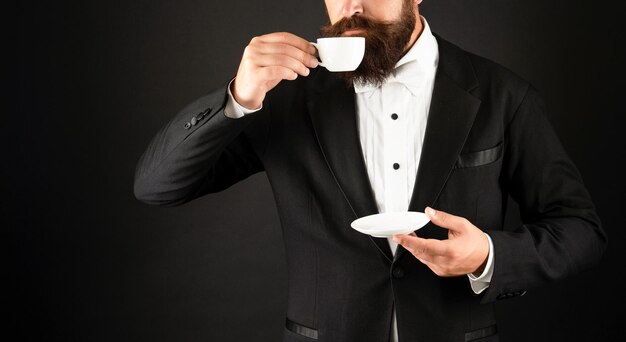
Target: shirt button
x,y
394,116
396,166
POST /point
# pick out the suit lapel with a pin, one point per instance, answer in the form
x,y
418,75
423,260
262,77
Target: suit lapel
x,y
331,105
451,115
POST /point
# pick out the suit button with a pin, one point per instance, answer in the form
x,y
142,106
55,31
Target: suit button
x,y
398,273
187,125
194,121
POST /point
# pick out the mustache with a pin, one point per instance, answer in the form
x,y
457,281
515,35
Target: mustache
x,y
385,43
354,22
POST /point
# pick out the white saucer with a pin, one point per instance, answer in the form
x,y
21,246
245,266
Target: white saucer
x,y
387,224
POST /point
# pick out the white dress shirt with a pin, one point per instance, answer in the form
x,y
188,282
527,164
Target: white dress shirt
x,y
392,122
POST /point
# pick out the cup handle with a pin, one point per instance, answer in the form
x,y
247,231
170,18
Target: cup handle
x,y
319,59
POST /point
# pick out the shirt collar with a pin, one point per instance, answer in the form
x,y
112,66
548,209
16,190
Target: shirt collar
x,y
422,56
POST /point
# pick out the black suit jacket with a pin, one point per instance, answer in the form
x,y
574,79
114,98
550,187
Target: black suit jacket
x,y
487,137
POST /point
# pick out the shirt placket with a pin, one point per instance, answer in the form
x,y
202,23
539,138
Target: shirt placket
x,y
395,147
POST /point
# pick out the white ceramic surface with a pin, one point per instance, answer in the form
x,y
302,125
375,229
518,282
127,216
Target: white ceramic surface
x,y
388,224
340,53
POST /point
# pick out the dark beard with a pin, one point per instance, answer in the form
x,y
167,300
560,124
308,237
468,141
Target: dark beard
x,y
385,44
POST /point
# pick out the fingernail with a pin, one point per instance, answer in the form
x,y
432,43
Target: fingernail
x,y
306,72
312,49
313,63
431,211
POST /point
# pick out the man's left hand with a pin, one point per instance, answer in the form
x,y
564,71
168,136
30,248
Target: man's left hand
x,y
465,251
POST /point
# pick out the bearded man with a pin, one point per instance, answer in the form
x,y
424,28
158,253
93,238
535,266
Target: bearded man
x,y
420,125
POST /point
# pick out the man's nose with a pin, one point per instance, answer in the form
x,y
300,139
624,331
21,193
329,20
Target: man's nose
x,y
352,7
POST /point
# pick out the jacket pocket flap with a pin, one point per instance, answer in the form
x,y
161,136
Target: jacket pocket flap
x,y
479,158
300,329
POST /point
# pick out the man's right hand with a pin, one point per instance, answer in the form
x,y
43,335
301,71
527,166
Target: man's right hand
x,y
266,61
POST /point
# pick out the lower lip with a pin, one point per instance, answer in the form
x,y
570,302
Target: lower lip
x,y
352,32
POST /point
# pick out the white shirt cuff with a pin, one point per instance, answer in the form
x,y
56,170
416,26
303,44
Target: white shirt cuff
x,y
481,283
233,109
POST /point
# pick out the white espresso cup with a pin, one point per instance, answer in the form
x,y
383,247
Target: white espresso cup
x,y
340,53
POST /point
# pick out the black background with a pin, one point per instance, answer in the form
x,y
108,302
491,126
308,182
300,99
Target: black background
x,y
90,82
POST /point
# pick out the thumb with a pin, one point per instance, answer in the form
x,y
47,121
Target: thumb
x,y
445,220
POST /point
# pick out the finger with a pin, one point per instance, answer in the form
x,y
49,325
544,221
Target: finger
x,y
289,38
288,50
420,247
445,220
278,73
436,265
282,61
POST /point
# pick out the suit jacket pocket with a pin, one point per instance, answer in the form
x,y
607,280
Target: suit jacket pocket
x,y
482,334
479,158
300,329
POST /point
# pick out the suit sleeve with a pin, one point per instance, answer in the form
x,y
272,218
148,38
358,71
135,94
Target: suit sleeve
x,y
561,233
200,151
